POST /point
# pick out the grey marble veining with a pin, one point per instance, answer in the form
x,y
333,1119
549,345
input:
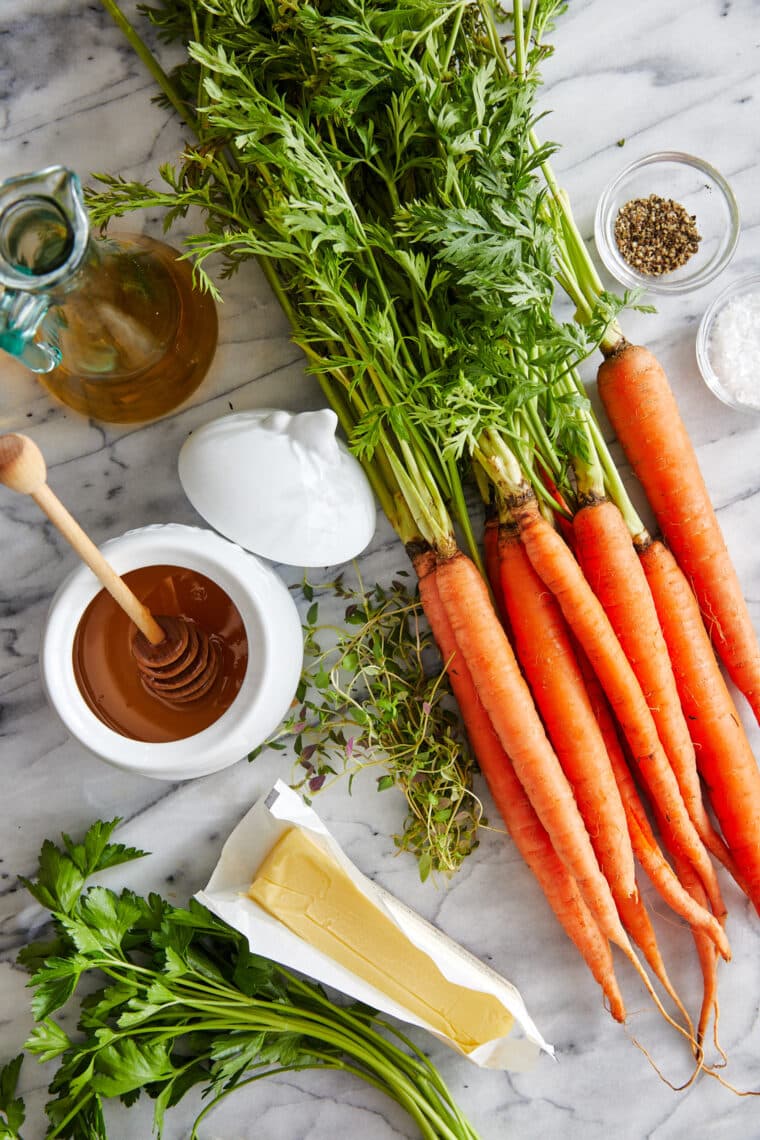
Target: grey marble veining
x,y
673,75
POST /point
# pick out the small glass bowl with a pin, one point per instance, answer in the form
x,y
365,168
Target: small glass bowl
x,y
701,190
711,377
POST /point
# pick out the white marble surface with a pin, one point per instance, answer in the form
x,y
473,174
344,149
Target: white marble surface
x,y
676,74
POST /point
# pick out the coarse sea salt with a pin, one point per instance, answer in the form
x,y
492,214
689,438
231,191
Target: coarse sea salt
x,y
734,349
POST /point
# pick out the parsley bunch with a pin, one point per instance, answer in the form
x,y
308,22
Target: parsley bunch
x,y
181,1001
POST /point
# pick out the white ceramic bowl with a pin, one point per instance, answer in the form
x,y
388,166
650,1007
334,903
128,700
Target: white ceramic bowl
x,y
275,645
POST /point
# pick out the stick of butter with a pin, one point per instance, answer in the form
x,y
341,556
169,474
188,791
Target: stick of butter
x,y
306,889
285,883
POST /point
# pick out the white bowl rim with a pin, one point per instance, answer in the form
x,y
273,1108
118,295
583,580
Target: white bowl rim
x,y
272,625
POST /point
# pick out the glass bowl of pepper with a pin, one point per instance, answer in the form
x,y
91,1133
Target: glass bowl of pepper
x,y
668,223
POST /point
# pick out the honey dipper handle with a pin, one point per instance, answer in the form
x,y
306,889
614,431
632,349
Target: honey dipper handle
x,y
22,468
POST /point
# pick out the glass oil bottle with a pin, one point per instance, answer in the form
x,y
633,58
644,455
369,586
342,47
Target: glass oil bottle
x,y
113,325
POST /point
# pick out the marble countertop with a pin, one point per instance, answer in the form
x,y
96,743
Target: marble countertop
x,y
683,75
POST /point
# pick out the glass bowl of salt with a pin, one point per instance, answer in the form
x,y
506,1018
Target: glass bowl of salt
x,y
728,345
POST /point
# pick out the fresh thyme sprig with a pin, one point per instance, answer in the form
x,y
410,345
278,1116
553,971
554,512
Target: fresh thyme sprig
x,y
373,695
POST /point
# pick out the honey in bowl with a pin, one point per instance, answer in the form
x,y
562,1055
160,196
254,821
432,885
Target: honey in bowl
x,y
109,678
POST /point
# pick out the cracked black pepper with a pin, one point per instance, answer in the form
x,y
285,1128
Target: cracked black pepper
x,y
656,235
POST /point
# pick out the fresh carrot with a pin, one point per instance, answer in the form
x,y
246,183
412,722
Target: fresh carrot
x,y
643,411
542,644
557,567
645,845
530,838
507,700
607,556
564,525
491,560
708,960
544,649
724,756
502,691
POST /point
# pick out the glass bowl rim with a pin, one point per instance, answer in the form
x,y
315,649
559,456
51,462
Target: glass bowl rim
x,y
614,262
738,286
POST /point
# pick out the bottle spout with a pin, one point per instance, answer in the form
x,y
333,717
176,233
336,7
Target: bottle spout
x,y
44,229
44,235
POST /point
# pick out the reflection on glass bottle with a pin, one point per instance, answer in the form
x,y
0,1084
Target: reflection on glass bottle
x,y
113,325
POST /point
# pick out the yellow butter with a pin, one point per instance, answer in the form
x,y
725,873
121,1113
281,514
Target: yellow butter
x,y
311,894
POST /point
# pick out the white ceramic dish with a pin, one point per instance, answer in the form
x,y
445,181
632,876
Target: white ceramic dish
x,y
275,644
282,485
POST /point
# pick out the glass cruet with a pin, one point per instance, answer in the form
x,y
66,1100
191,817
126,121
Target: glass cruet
x,y
112,325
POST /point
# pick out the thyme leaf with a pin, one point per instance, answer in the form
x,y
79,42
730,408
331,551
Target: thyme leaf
x,y
373,696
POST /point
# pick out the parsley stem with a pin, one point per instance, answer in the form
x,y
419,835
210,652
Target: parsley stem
x,y
363,1044
326,1062
74,1112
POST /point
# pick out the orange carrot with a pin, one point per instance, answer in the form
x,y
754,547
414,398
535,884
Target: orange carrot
x,y
500,688
605,550
564,525
645,846
544,649
708,960
635,392
557,567
724,756
542,644
491,560
507,700
528,835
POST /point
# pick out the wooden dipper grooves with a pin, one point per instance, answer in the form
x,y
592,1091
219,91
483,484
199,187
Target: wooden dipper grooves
x,y
177,660
183,667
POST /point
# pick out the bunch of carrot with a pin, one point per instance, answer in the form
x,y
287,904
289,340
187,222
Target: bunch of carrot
x,y
583,621
606,620
386,172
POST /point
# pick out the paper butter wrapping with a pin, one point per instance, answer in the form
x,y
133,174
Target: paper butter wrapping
x,y
226,895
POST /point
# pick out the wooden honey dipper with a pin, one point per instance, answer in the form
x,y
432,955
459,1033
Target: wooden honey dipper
x,y
177,660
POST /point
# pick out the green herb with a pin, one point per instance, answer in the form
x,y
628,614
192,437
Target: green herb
x,y
175,999
382,164
379,163
373,694
12,1111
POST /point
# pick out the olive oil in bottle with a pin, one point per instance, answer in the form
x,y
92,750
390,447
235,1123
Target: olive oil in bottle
x,y
136,338
113,326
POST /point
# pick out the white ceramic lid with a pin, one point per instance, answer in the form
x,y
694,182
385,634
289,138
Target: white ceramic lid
x,y
281,485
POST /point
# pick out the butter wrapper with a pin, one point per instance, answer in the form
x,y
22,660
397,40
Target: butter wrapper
x,y
226,896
